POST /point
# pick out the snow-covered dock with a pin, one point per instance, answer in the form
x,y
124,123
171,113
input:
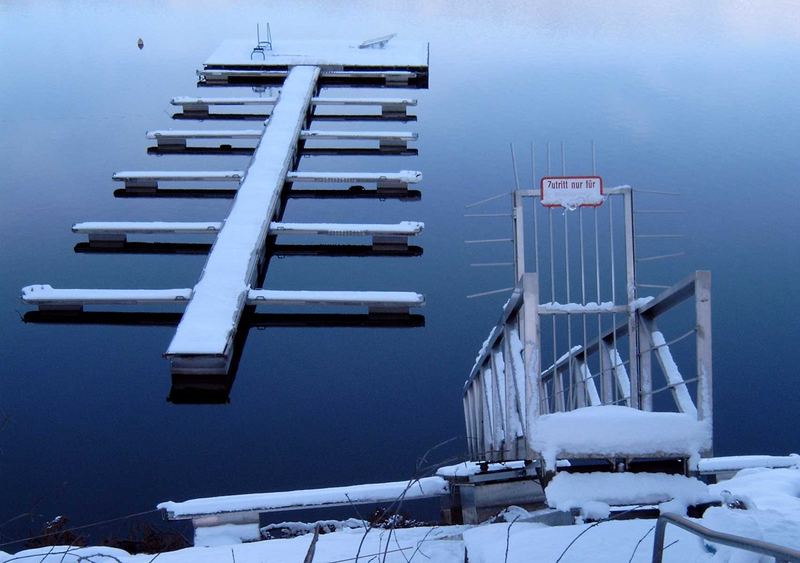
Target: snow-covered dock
x,y
199,107
49,298
390,62
204,342
106,232
387,140
148,180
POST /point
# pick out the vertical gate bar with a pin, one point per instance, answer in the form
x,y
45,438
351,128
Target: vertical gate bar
x,y
607,394
557,382
615,356
633,314
568,283
519,235
531,355
702,307
535,222
516,220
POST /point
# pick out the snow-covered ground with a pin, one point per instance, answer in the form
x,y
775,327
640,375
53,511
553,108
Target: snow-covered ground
x,y
772,498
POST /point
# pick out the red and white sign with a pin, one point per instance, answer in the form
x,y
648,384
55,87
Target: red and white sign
x,y
572,191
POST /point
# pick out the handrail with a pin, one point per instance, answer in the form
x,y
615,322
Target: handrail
x,y
781,553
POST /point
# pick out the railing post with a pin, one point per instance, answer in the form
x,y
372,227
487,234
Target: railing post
x,y
645,364
702,307
633,315
498,411
658,540
529,325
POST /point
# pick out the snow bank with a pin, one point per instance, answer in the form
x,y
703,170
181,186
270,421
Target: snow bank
x,y
608,542
612,431
580,490
339,546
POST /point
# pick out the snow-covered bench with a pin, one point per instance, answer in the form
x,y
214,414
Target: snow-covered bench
x,y
236,517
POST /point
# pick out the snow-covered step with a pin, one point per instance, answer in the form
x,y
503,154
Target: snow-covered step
x,y
376,301
178,137
117,231
47,297
595,493
610,431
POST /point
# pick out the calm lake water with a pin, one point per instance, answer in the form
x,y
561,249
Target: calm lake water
x,y
697,99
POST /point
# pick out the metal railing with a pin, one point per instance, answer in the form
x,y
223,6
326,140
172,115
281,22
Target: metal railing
x,y
781,554
507,389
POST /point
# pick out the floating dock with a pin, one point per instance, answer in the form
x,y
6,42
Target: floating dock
x,y
205,339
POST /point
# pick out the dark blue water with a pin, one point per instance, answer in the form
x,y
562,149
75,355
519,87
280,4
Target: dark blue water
x,y
698,100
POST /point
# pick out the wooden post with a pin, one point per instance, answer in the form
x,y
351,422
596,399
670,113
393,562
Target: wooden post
x,y
531,339
498,412
645,364
702,308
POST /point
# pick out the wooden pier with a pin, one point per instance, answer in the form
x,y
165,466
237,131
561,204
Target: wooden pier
x,y
205,339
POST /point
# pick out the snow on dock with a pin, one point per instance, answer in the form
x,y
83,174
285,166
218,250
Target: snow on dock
x,y
150,178
271,100
426,487
404,228
45,296
176,176
48,297
375,300
170,137
147,227
211,317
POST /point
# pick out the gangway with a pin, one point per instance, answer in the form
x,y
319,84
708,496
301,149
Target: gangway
x,y
561,379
